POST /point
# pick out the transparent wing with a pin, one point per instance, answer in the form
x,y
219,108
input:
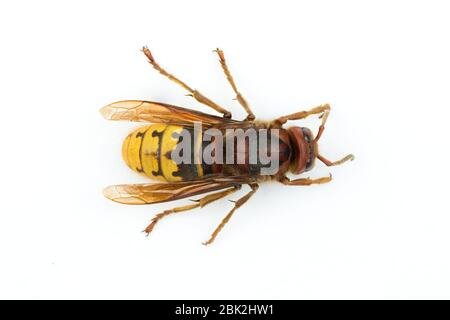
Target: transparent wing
x,y
163,192
155,112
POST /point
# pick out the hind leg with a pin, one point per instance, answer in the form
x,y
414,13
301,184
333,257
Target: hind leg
x,y
239,97
227,218
192,92
198,203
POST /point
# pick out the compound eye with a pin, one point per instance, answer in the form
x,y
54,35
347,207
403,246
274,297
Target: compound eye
x,y
307,136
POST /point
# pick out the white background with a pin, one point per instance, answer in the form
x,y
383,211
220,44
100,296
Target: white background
x,y
380,230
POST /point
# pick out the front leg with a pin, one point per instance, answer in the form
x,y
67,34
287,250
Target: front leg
x,y
324,110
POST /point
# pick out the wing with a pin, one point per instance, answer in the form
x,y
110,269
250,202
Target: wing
x,y
155,112
163,192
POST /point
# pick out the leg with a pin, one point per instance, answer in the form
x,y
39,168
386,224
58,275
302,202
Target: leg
x,y
199,203
304,181
237,204
230,79
194,93
323,109
328,163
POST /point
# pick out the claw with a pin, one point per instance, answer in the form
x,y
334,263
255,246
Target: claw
x,y
148,53
220,54
146,233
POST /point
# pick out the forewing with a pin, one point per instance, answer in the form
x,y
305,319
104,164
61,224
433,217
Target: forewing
x,y
155,112
163,192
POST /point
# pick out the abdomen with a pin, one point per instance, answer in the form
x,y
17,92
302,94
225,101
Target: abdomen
x,y
147,150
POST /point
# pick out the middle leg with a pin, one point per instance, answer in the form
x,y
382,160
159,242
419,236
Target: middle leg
x,y
304,181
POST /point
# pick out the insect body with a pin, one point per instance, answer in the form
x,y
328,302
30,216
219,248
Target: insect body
x,y
193,153
148,150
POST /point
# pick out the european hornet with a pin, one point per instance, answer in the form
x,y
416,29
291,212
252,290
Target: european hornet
x,y
149,150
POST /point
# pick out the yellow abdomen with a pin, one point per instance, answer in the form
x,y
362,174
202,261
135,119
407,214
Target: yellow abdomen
x,y
147,151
